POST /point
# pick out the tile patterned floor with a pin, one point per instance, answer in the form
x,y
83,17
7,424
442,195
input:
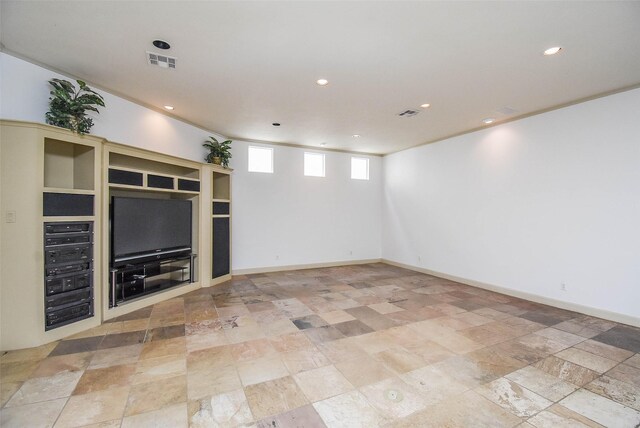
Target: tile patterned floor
x,y
356,346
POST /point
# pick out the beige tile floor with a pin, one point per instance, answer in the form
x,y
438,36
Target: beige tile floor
x,y
356,346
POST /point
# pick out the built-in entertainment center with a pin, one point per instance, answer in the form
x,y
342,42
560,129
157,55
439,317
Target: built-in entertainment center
x,y
93,230
151,246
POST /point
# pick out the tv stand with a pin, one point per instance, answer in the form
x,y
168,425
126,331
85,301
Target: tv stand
x,y
132,281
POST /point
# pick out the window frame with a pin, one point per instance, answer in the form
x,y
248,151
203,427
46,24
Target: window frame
x,y
264,148
324,164
367,170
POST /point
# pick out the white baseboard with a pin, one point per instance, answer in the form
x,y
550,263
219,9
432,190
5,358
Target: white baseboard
x,y
303,266
587,310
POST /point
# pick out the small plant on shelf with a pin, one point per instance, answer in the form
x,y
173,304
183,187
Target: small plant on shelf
x,y
68,105
219,153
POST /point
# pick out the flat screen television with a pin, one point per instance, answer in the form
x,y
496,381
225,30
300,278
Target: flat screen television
x,y
143,229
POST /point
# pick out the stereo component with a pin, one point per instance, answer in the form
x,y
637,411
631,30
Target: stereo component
x,y
68,271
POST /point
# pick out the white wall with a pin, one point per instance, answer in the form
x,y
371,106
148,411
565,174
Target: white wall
x,y
528,205
286,218
302,220
25,96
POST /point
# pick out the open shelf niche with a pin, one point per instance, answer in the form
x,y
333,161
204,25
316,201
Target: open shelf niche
x,y
68,165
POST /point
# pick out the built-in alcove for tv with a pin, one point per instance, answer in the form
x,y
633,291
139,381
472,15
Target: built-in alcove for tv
x,y
154,218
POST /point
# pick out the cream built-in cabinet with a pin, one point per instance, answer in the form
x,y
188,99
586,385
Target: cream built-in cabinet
x,y
52,178
220,224
39,165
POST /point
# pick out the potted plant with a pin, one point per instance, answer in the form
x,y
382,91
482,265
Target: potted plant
x,y
219,153
68,105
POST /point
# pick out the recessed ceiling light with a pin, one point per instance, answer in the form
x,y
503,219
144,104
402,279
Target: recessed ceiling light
x,y
322,82
488,120
161,44
275,124
356,135
552,51
168,107
427,105
323,144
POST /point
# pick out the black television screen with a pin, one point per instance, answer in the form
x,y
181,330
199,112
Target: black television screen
x,y
141,227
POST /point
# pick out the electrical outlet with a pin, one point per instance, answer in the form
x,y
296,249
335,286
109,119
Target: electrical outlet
x,y
277,257
419,259
10,217
351,252
563,286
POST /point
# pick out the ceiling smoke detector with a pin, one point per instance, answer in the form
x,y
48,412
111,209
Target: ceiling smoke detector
x,y
408,113
162,61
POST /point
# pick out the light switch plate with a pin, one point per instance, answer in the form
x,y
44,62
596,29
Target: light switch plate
x,y
10,217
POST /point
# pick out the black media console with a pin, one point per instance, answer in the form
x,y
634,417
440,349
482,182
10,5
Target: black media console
x,y
68,272
136,280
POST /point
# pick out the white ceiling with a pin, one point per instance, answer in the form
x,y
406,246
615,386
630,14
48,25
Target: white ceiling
x,y
243,65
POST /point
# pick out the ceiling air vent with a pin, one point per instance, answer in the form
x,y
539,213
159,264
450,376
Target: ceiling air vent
x,y
408,113
161,61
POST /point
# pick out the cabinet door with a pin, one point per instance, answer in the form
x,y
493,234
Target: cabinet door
x,y
220,247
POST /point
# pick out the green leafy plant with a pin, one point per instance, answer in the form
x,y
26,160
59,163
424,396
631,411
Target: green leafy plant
x,y
219,153
68,105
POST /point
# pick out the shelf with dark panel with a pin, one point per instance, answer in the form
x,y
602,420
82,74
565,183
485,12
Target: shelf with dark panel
x,y
221,208
160,181
69,187
129,178
125,177
221,226
188,185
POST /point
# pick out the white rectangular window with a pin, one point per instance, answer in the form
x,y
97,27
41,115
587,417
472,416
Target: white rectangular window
x,y
314,164
260,159
359,168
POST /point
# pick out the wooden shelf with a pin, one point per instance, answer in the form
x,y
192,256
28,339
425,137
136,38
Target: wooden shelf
x,y
145,177
151,189
72,191
141,164
69,218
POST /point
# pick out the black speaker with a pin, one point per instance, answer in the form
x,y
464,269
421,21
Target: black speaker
x,y
118,176
159,182
67,204
221,208
220,247
191,185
